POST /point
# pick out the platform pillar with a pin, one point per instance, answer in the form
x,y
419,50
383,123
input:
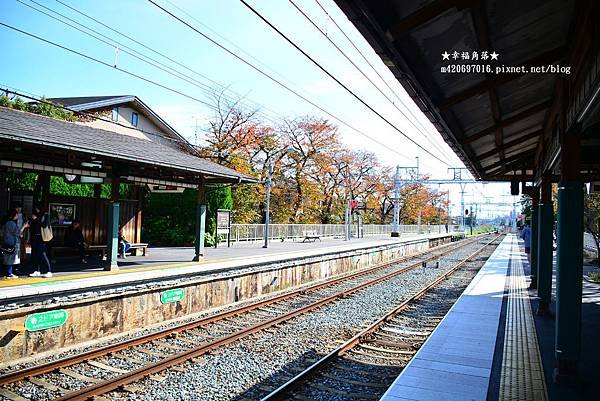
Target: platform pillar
x,y
200,223
544,251
534,244
569,260
112,236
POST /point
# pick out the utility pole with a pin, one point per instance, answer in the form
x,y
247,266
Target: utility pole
x,y
347,211
471,219
269,172
414,171
457,171
396,225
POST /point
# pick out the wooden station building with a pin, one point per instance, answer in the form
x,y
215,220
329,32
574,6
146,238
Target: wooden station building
x,y
117,139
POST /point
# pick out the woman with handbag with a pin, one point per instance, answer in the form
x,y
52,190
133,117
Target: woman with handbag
x,y
11,244
40,233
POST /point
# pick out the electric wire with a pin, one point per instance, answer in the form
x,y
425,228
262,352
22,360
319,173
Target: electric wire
x,y
88,57
394,93
241,49
266,21
277,81
211,91
343,53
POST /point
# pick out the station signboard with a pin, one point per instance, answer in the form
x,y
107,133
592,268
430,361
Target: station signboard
x,y
172,295
223,225
46,320
223,221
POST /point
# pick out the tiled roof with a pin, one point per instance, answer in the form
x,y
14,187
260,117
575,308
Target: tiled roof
x,y
35,129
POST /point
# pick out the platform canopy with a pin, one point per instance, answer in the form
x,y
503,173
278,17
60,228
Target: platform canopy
x,y
502,124
32,142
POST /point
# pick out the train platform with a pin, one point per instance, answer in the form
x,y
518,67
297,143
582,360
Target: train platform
x,y
168,263
486,346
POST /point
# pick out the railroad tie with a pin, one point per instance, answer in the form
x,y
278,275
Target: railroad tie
x,y
356,396
152,353
358,383
130,359
395,344
132,388
78,376
106,367
45,384
11,396
389,351
165,344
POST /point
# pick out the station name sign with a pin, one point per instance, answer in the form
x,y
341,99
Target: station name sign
x,y
46,320
173,295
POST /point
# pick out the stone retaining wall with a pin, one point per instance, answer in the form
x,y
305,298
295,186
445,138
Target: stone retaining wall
x,y
95,317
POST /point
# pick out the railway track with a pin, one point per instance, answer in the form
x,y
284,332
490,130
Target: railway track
x,y
363,367
116,367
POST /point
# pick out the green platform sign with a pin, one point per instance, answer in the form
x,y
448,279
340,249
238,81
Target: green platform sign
x,y
174,295
46,320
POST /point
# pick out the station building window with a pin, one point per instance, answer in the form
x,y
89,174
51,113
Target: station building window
x,y
134,119
115,114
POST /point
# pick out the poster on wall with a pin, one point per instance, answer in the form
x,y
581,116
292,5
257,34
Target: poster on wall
x,y
61,214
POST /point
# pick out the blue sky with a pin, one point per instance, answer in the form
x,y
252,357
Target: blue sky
x,y
33,66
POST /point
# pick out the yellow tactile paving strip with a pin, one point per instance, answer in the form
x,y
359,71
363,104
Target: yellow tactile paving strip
x,y
522,372
31,280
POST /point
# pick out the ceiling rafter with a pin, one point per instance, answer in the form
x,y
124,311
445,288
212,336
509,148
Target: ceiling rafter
x,y
508,121
427,13
509,144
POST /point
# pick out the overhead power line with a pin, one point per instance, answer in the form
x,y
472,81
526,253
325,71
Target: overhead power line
x,y
291,42
343,53
241,50
277,81
209,90
80,54
365,58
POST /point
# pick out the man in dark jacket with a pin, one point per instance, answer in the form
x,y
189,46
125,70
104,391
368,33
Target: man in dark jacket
x,y
74,238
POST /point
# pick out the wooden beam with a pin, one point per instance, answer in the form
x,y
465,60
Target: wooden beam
x,y
506,122
484,86
507,145
483,39
509,162
427,13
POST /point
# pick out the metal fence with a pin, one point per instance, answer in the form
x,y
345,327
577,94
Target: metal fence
x,y
255,232
588,242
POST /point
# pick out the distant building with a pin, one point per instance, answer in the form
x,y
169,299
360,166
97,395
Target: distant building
x,y
132,117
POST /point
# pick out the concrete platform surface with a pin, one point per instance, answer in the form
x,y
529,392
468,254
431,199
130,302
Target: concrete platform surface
x,y
170,262
455,363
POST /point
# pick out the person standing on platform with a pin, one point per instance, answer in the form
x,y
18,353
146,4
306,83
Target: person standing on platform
x,y
74,239
11,240
526,235
36,223
21,221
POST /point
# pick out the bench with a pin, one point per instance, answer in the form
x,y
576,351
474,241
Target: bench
x,y
135,246
311,235
101,249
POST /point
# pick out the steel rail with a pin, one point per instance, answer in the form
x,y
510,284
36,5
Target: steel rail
x,y
117,382
282,392
130,343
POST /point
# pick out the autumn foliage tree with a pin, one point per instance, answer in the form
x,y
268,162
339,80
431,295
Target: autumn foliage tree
x,y
314,173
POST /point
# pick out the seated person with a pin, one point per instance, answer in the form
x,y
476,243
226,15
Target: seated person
x,y
124,245
74,238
